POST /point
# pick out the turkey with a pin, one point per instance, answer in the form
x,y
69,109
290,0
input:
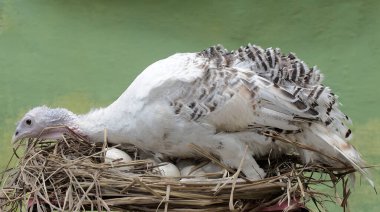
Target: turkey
x,y
222,102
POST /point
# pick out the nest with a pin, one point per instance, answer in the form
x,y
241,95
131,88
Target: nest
x,y
71,175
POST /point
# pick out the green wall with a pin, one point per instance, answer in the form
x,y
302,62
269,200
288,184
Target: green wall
x,y
83,54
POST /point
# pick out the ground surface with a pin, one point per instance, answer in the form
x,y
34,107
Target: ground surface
x,y
83,54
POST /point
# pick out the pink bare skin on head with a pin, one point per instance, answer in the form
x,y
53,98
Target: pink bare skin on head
x,y
45,123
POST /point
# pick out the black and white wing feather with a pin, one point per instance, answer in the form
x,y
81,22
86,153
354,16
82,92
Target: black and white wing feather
x,y
253,88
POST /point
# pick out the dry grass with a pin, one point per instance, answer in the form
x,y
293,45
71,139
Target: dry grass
x,y
70,175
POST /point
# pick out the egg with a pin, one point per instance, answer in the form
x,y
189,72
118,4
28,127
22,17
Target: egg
x,y
167,170
114,155
189,171
212,168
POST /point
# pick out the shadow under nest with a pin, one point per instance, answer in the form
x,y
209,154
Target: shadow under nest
x,y
71,175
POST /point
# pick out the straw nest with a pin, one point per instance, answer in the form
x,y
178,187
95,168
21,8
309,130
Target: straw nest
x,y
71,175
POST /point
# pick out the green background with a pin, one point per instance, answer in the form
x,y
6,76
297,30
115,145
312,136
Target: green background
x,y
83,54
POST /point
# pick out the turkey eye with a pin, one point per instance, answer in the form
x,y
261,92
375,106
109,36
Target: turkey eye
x,y
28,122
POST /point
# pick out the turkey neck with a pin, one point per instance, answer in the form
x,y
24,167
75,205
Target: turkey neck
x,y
111,119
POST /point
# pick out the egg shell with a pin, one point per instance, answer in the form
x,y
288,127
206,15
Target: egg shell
x,y
212,168
114,155
186,171
167,170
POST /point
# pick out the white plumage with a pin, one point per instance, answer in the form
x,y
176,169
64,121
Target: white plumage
x,y
220,101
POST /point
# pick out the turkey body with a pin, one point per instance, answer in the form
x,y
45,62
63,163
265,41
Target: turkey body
x,y
224,101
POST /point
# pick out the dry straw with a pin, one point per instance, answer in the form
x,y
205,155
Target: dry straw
x,y
70,175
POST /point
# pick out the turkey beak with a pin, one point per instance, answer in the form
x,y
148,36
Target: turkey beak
x,y
17,136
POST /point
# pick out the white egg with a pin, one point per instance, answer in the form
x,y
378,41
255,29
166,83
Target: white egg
x,y
114,155
212,168
188,171
167,169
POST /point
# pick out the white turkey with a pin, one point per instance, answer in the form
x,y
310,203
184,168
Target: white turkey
x,y
222,102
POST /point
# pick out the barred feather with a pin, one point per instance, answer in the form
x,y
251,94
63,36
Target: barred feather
x,y
281,91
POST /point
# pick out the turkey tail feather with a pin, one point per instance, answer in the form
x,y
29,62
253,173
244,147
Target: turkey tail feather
x,y
283,94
